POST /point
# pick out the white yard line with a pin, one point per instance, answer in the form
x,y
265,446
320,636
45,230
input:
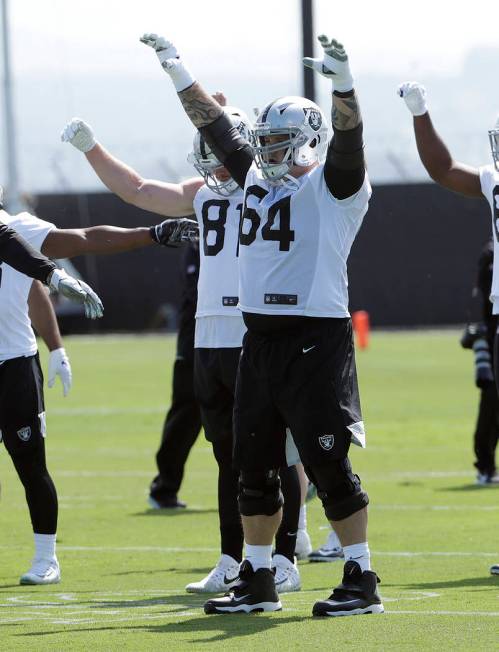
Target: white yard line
x,y
414,612
167,549
435,508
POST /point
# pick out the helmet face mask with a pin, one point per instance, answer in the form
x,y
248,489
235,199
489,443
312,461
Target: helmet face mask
x,y
207,164
295,125
284,140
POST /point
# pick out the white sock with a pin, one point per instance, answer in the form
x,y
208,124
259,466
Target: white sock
x,y
259,556
358,552
302,520
45,546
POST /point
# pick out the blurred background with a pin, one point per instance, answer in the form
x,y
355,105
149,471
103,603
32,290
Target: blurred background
x,y
414,260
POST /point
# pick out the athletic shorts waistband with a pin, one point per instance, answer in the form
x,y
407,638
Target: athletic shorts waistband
x,y
277,324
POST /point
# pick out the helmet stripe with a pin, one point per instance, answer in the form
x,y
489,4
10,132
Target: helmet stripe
x,y
266,110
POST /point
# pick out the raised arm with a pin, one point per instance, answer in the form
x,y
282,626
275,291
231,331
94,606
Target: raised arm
x,y
433,152
205,113
344,170
168,199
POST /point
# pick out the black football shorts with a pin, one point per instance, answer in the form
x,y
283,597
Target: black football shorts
x,y
215,372
304,379
22,411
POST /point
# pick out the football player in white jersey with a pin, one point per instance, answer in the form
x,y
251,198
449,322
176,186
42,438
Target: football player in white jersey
x,y
217,201
22,411
297,368
482,182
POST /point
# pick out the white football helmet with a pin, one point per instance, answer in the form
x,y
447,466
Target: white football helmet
x,y
494,143
205,161
304,126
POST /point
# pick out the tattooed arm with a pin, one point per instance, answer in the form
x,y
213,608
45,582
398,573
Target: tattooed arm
x,y
344,170
204,111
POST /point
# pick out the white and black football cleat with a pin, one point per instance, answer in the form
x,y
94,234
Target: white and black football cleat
x,y
494,570
356,595
42,571
255,591
330,551
222,578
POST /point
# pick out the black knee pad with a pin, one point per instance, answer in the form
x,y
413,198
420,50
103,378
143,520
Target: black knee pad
x,y
259,493
339,489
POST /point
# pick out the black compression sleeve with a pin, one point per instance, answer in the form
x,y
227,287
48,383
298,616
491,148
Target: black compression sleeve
x,y
20,255
229,147
344,170
238,163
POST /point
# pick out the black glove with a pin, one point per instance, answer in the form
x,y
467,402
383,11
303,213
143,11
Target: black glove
x,y
172,233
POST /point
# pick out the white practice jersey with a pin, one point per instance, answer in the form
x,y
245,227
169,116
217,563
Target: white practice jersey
x,y
294,246
16,334
489,180
219,323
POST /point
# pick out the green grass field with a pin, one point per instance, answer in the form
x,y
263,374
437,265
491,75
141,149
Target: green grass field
x,y
433,534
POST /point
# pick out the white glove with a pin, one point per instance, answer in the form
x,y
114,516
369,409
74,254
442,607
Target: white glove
x,y
59,366
78,291
414,95
170,61
333,64
79,134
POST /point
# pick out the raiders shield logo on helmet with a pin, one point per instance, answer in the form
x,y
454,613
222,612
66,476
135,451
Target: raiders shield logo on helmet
x,y
315,119
326,442
24,433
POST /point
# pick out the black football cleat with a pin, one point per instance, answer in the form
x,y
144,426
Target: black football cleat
x,y
357,594
255,591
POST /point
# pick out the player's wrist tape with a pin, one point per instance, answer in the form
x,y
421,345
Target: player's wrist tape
x,y
180,75
342,85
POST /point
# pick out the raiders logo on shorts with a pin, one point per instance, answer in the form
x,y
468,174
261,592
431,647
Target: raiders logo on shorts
x,y
326,442
24,433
